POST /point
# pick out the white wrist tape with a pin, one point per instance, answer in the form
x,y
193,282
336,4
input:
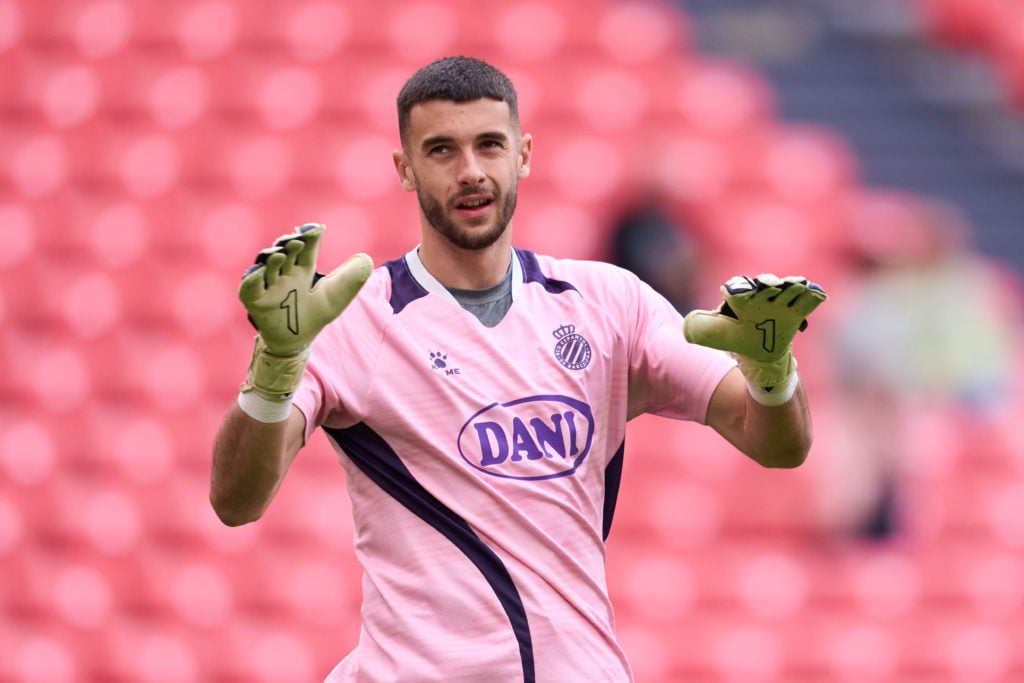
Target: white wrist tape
x,y
771,383
777,395
263,409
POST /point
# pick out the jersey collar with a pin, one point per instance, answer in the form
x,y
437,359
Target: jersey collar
x,y
430,283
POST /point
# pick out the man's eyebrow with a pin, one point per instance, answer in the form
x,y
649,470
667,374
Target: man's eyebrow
x,y
449,140
436,140
494,135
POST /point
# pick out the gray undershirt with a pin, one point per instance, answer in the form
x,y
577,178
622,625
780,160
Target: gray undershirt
x,y
488,305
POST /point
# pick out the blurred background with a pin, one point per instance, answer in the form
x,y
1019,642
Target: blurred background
x,y
148,149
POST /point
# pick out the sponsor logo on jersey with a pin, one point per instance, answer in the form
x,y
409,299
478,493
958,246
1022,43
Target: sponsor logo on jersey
x,y
532,438
571,350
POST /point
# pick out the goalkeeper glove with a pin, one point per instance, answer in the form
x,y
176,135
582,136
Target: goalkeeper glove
x,y
288,303
756,324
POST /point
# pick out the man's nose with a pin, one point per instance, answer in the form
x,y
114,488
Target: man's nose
x,y
470,170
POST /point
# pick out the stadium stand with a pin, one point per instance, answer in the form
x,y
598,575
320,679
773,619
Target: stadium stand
x,y
132,133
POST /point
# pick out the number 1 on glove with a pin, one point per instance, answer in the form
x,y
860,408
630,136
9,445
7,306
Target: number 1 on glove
x,y
756,324
289,303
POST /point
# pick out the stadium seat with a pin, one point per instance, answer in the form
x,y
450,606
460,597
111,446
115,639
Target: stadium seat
x,y
319,30
962,23
178,96
724,98
207,29
993,584
528,33
30,453
645,32
101,29
862,651
150,650
12,20
37,654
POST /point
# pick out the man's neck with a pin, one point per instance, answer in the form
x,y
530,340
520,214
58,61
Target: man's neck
x,y
466,268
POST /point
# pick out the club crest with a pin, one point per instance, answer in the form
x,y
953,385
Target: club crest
x,y
571,350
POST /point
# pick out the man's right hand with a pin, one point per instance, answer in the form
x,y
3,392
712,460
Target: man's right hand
x,y
289,306
285,301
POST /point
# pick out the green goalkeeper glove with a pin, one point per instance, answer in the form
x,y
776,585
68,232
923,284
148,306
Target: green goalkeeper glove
x,y
756,324
289,303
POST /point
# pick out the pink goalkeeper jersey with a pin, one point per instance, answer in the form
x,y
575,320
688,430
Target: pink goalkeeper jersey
x,y
483,463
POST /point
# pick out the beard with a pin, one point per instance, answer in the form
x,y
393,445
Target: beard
x,y
464,238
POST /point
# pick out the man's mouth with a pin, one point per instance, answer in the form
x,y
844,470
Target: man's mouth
x,y
474,206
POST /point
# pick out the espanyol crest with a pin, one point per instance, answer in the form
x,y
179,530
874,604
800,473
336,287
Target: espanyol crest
x,y
572,350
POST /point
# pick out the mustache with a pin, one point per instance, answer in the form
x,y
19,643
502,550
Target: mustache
x,y
471,191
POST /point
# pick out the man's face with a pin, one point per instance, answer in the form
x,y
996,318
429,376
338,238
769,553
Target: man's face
x,y
464,161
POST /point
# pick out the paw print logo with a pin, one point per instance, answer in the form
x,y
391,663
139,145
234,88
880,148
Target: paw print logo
x,y
438,360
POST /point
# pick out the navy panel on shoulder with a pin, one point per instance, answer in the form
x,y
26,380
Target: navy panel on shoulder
x,y
404,287
532,273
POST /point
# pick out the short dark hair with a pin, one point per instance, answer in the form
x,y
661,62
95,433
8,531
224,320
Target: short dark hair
x,y
458,79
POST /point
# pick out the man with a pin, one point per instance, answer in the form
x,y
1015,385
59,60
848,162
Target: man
x,y
478,396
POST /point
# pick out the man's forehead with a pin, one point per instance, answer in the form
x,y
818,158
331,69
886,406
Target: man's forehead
x,y
445,117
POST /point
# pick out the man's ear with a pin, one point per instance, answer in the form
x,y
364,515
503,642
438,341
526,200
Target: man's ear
x,y
525,154
405,175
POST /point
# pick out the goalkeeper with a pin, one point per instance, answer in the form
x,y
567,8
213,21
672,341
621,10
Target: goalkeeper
x,y
477,395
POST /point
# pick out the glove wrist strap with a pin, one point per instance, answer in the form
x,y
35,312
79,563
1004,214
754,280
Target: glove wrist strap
x,y
274,378
770,383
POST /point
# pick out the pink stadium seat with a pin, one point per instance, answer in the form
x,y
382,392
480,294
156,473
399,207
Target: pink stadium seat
x,y
1003,509
68,95
655,587
39,654
265,651
527,33
643,32
177,95
206,29
861,651
403,23
318,30
12,25
557,223
963,23
978,651
613,98
747,653
993,584
885,585
39,163
806,239
14,524
362,89
1006,47
808,165
150,650
721,97
101,29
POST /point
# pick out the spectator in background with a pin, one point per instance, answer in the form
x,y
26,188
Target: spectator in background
x,y
930,326
647,240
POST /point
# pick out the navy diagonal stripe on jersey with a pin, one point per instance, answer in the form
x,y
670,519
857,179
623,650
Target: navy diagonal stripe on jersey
x,y
378,461
612,481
